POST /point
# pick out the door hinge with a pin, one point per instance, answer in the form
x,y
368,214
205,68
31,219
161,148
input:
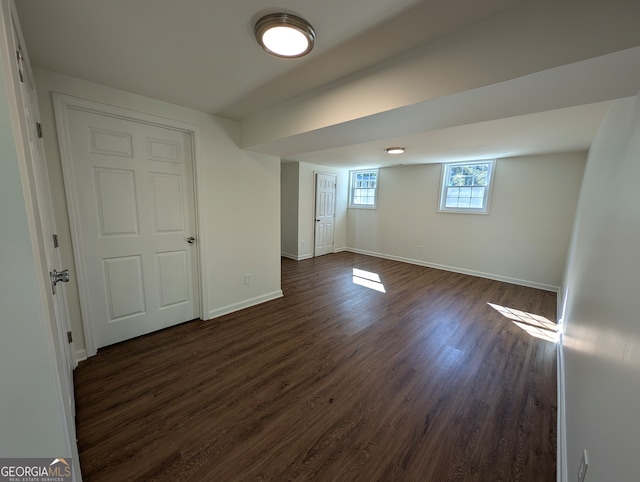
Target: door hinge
x,y
20,59
55,241
39,130
70,336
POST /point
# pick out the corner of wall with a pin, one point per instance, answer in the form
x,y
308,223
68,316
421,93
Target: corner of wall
x,y
232,308
561,439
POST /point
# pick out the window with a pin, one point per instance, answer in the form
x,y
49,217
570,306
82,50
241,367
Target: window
x,y
466,187
363,189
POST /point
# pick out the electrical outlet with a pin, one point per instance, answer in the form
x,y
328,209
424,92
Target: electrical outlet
x,y
584,465
419,249
302,243
247,279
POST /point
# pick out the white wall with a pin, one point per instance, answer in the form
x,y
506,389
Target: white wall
x,y
523,240
298,208
240,194
30,400
601,342
289,184
306,208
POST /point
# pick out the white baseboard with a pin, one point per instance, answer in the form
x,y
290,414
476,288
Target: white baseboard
x,y
296,257
80,355
480,274
225,310
562,420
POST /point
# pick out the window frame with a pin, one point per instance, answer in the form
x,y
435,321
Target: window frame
x,y
352,188
446,168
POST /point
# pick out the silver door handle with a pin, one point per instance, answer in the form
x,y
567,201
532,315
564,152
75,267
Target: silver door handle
x,y
191,240
58,277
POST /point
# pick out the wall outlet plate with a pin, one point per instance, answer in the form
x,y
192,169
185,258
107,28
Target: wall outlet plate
x,y
584,465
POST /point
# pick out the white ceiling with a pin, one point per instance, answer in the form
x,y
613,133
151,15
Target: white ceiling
x,y
383,72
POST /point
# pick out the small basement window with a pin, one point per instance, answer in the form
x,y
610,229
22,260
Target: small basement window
x,y
363,189
466,187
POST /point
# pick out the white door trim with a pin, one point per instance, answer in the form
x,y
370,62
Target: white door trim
x,y
56,346
62,104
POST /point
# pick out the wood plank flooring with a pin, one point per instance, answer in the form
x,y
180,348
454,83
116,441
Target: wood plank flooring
x,y
335,381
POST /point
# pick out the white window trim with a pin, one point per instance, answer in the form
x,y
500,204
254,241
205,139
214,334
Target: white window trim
x,y
375,194
488,191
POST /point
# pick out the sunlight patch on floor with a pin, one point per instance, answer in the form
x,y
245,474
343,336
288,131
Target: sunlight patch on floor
x,y
368,280
535,325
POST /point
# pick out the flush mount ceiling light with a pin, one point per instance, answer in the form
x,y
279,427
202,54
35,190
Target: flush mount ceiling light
x,y
395,150
285,35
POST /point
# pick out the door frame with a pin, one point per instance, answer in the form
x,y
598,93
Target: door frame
x,y
315,206
62,103
53,310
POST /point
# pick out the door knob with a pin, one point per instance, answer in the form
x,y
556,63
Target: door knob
x,y
58,277
191,240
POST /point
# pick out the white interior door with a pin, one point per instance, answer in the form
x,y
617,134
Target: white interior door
x,y
132,206
28,139
29,104
325,213
37,163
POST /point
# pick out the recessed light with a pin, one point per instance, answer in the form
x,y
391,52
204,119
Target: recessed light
x,y
395,150
285,35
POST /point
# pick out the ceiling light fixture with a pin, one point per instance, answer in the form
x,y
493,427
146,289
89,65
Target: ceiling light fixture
x,y
395,150
285,35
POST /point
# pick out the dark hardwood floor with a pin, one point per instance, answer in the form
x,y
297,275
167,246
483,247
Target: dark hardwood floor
x,y
335,381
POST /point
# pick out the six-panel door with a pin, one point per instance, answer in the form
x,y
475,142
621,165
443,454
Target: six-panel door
x,y
134,186
325,213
